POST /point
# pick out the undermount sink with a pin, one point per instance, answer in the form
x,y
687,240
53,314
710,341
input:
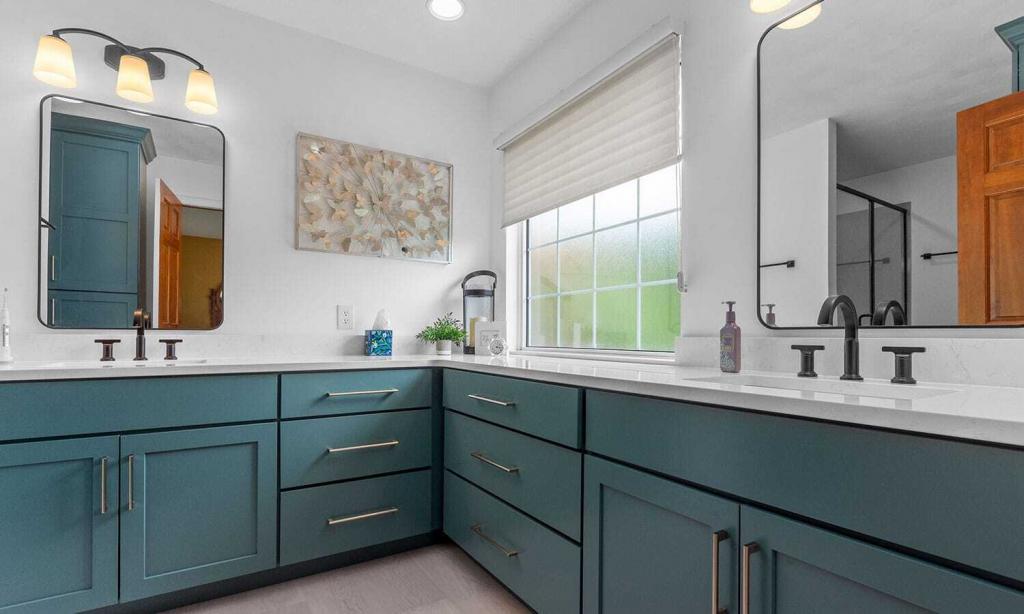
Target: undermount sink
x,y
117,363
829,386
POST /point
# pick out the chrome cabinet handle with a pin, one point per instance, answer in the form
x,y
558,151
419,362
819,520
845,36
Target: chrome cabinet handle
x,y
365,446
343,519
748,550
477,397
356,393
53,268
104,506
478,529
480,457
131,482
716,540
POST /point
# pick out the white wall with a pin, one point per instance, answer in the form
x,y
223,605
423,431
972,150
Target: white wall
x,y
799,202
272,82
931,190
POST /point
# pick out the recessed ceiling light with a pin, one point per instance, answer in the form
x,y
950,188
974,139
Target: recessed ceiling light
x,y
446,10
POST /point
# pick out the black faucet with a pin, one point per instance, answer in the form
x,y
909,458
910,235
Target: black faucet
x,y
140,322
882,310
851,349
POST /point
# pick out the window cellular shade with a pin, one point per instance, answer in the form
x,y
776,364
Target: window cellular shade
x,y
624,127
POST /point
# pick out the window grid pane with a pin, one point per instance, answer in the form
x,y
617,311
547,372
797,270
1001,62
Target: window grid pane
x,y
601,270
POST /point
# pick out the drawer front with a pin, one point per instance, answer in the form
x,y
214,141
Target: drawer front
x,y
954,500
537,564
324,394
545,410
52,409
542,479
328,449
326,520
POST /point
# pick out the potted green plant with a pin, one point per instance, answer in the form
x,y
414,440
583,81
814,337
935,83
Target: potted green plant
x,y
445,331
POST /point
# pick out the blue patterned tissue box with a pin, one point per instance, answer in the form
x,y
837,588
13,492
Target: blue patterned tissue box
x,y
378,342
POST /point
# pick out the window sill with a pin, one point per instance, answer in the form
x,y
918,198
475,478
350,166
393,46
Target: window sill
x,y
654,358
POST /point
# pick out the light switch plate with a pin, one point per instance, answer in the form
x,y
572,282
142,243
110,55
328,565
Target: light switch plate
x,y
346,317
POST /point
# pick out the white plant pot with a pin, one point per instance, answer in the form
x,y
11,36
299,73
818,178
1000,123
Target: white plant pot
x,y
444,348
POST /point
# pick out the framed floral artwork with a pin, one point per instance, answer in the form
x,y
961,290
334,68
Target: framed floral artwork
x,y
358,200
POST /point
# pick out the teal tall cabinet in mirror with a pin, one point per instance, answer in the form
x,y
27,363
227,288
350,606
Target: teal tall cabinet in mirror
x,y
59,518
97,173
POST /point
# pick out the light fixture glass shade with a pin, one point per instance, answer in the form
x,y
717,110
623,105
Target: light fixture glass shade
x,y
133,79
767,6
201,97
54,62
446,10
802,18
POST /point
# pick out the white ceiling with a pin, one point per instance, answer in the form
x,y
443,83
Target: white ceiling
x,y
892,74
478,49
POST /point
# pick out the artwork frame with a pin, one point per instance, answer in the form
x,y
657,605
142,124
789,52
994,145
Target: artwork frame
x,y
353,199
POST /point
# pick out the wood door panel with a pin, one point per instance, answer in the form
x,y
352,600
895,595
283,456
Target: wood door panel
x,y
169,282
1006,143
1006,229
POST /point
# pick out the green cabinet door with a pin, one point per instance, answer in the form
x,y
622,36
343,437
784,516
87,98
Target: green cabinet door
x,y
58,525
197,506
651,545
796,568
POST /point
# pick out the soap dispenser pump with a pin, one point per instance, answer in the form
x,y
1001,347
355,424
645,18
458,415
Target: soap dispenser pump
x,y
5,332
730,341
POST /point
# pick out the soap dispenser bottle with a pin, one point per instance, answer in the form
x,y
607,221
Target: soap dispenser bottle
x,y
730,341
5,332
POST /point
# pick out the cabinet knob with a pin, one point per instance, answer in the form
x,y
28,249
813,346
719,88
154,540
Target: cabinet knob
x,y
807,359
170,354
108,349
904,363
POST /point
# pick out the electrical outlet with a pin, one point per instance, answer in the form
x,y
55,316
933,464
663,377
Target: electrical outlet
x,y
346,317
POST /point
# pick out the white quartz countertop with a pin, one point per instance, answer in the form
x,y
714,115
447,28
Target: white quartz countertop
x,y
981,413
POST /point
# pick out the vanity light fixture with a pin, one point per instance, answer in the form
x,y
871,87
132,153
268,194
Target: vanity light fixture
x,y
136,67
767,6
802,18
448,10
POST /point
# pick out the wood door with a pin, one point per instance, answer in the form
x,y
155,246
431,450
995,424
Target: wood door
x,y
990,168
197,506
648,544
170,259
58,531
797,568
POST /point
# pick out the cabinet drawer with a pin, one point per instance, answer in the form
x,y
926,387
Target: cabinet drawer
x,y
545,410
323,394
52,409
954,500
540,478
534,562
328,449
326,520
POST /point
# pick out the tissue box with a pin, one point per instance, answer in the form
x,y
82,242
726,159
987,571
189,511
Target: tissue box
x,y
378,342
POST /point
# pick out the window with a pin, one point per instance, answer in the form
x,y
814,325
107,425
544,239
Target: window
x,y
601,271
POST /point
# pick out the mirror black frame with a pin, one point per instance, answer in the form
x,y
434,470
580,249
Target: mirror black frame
x,y
760,317
42,224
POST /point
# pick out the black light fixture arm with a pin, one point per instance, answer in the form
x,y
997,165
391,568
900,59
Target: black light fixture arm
x,y
60,31
172,52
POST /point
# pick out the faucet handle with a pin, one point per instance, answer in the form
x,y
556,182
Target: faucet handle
x,y
171,343
108,349
904,362
807,359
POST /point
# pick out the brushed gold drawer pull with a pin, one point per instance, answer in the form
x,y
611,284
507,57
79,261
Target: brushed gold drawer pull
x,y
359,393
365,446
480,457
478,529
748,551
343,519
716,540
477,397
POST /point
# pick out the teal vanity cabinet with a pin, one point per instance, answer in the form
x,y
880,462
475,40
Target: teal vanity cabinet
x,y
652,545
97,171
197,506
58,525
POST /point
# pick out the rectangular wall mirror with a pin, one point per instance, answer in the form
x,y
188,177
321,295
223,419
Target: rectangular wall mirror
x,y
131,216
891,165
